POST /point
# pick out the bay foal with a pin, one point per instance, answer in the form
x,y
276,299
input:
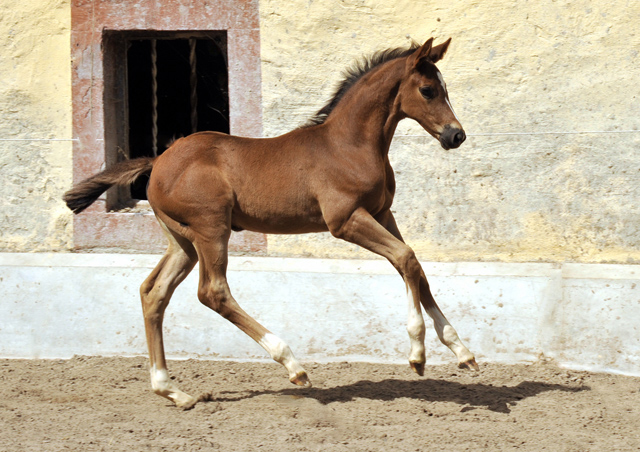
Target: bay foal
x,y
331,175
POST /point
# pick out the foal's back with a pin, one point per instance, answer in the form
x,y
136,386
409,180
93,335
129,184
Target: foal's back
x,y
266,183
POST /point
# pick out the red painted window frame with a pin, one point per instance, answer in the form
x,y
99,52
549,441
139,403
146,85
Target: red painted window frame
x,y
97,227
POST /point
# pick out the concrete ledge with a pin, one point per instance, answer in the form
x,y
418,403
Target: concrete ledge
x,y
584,316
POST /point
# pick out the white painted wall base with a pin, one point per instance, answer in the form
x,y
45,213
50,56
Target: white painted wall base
x,y
584,316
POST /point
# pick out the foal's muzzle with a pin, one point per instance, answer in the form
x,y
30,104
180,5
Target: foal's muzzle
x,y
452,137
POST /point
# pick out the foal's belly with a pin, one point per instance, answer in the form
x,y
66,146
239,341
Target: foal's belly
x,y
278,213
278,224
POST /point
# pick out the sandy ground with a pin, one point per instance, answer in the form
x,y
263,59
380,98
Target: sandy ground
x,y
95,404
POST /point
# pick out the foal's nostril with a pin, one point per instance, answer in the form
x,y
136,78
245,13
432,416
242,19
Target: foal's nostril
x,y
452,138
458,138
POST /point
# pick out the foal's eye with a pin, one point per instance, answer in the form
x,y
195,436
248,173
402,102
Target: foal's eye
x,y
428,92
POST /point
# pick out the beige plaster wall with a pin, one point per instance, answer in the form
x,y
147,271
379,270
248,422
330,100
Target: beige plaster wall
x,y
514,67
35,103
525,67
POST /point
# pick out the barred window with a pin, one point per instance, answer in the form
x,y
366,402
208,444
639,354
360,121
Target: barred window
x,y
113,99
167,85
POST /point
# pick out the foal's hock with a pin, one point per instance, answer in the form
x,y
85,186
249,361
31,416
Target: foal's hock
x,y
332,174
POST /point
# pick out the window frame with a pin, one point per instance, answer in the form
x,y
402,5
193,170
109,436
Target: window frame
x,y
98,227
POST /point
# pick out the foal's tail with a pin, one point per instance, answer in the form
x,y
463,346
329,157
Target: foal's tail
x,y
124,173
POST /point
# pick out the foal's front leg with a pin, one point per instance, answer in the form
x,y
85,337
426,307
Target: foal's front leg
x,y
362,229
446,333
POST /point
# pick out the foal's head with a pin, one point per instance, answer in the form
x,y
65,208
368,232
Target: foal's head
x,y
423,95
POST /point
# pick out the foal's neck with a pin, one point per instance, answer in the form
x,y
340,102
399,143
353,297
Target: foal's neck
x,y
368,114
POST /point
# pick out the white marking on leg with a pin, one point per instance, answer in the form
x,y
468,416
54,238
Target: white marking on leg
x,y
276,347
416,329
163,386
160,380
281,353
449,337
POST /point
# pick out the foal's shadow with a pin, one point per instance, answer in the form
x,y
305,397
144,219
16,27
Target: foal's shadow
x,y
476,395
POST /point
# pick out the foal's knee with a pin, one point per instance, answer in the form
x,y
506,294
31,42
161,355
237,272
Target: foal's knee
x,y
407,263
215,296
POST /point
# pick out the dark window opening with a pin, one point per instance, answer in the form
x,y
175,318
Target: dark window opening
x,y
174,84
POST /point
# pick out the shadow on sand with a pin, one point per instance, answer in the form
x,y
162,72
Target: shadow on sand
x,y
472,396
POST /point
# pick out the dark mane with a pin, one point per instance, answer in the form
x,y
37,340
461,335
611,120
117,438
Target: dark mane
x,y
355,73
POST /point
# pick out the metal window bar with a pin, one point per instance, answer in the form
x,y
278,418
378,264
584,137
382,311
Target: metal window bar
x,y
193,80
154,98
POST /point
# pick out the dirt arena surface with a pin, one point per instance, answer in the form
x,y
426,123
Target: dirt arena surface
x,y
105,404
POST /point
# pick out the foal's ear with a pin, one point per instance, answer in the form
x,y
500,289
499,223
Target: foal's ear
x,y
438,51
423,51
429,53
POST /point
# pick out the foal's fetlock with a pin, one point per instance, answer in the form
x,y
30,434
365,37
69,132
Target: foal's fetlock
x,y
417,359
164,387
466,360
181,399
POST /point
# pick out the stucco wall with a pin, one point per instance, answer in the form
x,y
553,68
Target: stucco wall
x,y
35,103
513,67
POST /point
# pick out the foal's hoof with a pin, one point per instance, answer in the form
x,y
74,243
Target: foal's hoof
x,y
417,368
470,364
301,379
186,403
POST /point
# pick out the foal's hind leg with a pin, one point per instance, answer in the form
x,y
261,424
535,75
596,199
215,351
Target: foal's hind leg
x,y
213,292
155,293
